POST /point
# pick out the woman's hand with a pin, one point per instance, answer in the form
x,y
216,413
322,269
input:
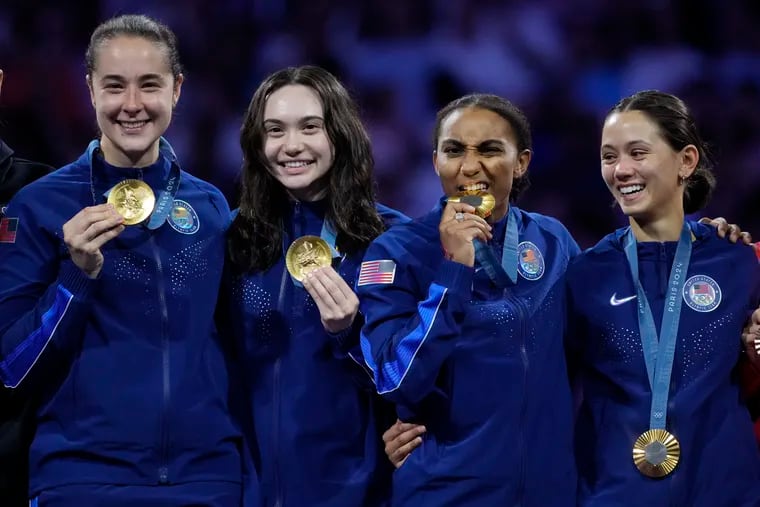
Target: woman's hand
x,y
337,303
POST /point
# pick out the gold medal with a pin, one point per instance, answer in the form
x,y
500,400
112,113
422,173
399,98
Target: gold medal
x,y
305,254
482,201
133,199
656,453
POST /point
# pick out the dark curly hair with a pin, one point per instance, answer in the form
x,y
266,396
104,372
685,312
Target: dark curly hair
x,y
255,237
677,127
504,108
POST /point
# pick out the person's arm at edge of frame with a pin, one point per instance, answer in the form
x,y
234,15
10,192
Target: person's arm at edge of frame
x,y
44,295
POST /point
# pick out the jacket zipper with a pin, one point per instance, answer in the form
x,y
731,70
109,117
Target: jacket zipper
x,y
163,469
521,316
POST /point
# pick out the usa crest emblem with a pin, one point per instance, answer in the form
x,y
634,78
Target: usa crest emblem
x,y
701,293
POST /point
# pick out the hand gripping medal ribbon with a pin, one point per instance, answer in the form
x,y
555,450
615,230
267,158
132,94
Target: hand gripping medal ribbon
x,y
305,254
133,199
656,452
504,273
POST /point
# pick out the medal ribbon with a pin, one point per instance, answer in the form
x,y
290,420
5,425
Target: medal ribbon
x,y
659,353
504,274
165,196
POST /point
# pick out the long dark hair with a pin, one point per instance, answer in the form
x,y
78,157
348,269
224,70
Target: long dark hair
x,y
255,237
677,127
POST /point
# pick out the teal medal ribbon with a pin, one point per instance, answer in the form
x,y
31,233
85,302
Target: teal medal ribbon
x,y
659,353
504,274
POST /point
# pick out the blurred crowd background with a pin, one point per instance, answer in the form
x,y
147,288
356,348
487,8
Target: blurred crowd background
x,y
564,62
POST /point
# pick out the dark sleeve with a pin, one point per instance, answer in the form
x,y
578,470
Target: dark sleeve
x,y
44,297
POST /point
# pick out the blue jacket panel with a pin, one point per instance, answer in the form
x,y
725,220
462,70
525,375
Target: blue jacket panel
x,y
129,364
482,367
316,419
719,464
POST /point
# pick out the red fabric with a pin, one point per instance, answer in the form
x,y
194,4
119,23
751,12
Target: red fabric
x,y
749,377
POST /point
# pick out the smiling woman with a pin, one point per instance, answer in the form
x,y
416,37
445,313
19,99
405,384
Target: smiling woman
x,y
307,213
107,309
660,401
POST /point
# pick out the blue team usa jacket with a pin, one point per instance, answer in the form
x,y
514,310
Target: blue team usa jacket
x,y
133,382
719,464
482,367
316,421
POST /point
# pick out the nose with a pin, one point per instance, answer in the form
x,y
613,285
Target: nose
x,y
470,163
293,143
132,100
623,168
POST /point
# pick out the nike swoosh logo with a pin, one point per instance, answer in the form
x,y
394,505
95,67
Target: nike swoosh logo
x,y
614,301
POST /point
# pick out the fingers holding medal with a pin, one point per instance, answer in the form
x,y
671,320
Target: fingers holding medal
x,y
460,226
87,231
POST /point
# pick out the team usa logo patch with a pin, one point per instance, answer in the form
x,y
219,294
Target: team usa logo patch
x,y
373,272
8,228
530,261
702,293
183,218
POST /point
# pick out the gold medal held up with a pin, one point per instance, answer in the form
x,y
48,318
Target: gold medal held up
x,y
482,201
305,254
656,453
133,199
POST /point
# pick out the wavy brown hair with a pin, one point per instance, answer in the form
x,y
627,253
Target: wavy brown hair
x,y
255,237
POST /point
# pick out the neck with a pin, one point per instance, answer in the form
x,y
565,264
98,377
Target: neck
x,y
666,228
499,212
118,158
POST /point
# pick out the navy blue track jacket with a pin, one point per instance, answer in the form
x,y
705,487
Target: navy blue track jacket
x,y
482,367
317,422
131,374
719,464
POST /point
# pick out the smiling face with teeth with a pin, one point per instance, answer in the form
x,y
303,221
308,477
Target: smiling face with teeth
x,y
642,170
477,150
133,91
296,146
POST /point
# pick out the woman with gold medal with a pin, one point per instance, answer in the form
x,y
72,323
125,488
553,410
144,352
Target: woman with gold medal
x,y
107,301
466,338
307,213
657,312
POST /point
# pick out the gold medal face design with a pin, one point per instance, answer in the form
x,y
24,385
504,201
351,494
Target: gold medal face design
x,y
482,201
656,453
305,254
133,199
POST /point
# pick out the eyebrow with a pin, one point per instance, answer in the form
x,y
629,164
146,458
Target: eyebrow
x,y
628,144
300,120
145,77
482,143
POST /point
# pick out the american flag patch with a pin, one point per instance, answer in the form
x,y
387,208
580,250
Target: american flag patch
x,y
382,271
8,227
757,250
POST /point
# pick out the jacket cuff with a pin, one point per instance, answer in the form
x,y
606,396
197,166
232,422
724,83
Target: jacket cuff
x,y
455,276
76,282
342,339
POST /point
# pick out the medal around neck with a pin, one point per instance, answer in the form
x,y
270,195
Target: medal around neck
x,y
482,201
656,453
133,199
306,254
